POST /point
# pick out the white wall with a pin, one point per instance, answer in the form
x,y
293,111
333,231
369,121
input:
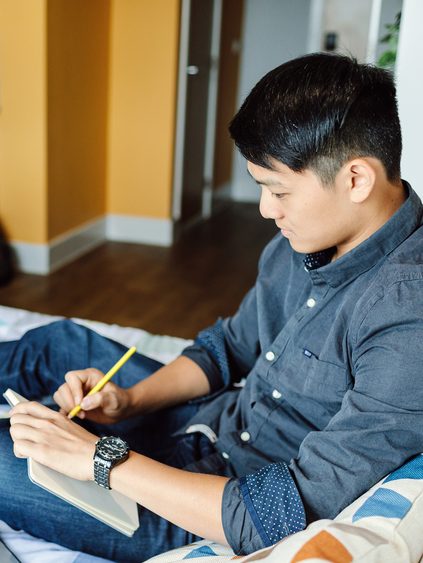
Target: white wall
x,y
275,31
350,21
409,72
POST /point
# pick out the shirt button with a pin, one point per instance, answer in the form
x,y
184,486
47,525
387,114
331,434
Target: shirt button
x,y
276,394
225,455
270,356
311,302
245,436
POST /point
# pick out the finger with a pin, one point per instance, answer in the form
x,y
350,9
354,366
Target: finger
x,y
91,402
22,448
34,409
27,448
105,400
76,381
64,397
21,431
26,420
82,381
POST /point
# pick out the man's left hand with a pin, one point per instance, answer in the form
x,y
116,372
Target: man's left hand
x,y
50,438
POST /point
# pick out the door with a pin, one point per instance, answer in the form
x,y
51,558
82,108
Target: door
x,y
198,73
194,76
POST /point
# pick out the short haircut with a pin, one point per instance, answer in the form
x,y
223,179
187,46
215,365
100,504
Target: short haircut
x,y
318,112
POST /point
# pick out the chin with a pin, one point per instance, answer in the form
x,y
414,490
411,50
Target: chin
x,y
304,248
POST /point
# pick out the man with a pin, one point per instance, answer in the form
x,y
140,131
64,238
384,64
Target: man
x,y
328,343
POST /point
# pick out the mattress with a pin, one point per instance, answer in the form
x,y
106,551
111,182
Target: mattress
x,y
13,324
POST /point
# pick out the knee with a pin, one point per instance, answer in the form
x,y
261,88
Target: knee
x,y
55,329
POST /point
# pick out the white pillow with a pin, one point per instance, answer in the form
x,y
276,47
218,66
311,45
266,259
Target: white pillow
x,y
383,525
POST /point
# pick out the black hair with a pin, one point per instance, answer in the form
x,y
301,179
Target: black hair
x,y
319,111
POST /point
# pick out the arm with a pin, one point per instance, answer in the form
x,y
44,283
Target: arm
x,y
380,423
221,354
192,501
189,500
378,427
173,384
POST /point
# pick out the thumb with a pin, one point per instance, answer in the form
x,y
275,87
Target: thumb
x,y
110,401
92,401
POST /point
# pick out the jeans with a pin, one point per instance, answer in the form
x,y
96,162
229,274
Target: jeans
x,y
34,367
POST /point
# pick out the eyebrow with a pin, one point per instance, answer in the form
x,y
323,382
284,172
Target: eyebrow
x,y
265,181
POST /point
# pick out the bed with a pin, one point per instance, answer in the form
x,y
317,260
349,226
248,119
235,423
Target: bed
x,y
385,524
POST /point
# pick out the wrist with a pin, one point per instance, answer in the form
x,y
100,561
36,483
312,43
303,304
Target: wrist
x,y
110,452
134,405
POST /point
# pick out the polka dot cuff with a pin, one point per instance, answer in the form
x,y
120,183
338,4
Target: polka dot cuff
x,y
273,501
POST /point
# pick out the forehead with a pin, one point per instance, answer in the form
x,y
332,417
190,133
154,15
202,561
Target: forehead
x,y
281,176
266,177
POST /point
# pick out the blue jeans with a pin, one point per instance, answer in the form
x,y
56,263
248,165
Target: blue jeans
x,y
34,367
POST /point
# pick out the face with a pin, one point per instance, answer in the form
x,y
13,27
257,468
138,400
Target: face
x,y
310,216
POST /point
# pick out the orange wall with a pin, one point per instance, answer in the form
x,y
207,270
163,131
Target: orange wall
x,y
88,90
144,58
23,152
77,78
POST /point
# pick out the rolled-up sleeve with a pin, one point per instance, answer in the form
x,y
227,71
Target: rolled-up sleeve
x,y
209,351
261,508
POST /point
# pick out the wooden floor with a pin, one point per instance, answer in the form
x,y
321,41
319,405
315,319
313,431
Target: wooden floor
x,y
177,290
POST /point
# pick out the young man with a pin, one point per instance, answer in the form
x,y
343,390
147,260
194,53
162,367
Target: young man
x,y
329,343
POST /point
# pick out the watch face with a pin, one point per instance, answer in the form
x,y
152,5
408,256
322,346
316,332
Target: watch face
x,y
111,448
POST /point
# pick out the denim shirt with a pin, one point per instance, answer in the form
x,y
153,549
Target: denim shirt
x,y
332,360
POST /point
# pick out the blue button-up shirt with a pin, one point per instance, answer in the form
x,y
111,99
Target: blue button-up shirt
x,y
332,360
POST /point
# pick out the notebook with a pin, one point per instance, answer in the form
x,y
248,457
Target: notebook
x,y
6,556
110,507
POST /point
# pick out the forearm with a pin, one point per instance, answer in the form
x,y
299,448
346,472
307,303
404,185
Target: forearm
x,y
192,501
175,383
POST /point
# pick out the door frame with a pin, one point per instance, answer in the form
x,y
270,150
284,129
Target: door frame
x,y
181,110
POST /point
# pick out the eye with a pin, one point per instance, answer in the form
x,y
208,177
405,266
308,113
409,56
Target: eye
x,y
278,195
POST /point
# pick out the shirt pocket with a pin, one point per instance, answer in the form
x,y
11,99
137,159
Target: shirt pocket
x,y
325,383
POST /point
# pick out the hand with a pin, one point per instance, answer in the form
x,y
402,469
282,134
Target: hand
x,y
107,406
53,440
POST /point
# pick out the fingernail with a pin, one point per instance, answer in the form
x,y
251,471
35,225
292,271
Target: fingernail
x,y
86,403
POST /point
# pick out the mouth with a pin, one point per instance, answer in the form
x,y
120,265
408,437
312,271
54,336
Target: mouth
x,y
285,232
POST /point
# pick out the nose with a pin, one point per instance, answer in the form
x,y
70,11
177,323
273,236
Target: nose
x,y
270,207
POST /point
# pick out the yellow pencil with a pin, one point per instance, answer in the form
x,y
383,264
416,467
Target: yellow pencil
x,y
105,379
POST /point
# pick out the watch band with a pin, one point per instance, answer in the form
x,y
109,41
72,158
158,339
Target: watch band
x,y
102,473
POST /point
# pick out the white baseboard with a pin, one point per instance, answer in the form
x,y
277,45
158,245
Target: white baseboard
x,y
142,230
31,258
46,258
69,246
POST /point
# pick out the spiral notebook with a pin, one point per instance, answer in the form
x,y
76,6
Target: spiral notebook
x,y
110,507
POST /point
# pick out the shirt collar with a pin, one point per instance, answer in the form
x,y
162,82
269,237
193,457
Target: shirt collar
x,y
364,256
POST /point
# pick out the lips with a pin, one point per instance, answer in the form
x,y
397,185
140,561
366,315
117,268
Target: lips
x,y
284,231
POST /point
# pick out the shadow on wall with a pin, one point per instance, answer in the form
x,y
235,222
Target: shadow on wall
x,y
7,259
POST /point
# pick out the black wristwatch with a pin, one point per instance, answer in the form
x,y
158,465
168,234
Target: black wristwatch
x,y
109,452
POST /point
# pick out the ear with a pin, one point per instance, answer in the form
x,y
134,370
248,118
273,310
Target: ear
x,y
360,177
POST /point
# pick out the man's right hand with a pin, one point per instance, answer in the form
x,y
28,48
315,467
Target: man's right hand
x,y
173,384
109,405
